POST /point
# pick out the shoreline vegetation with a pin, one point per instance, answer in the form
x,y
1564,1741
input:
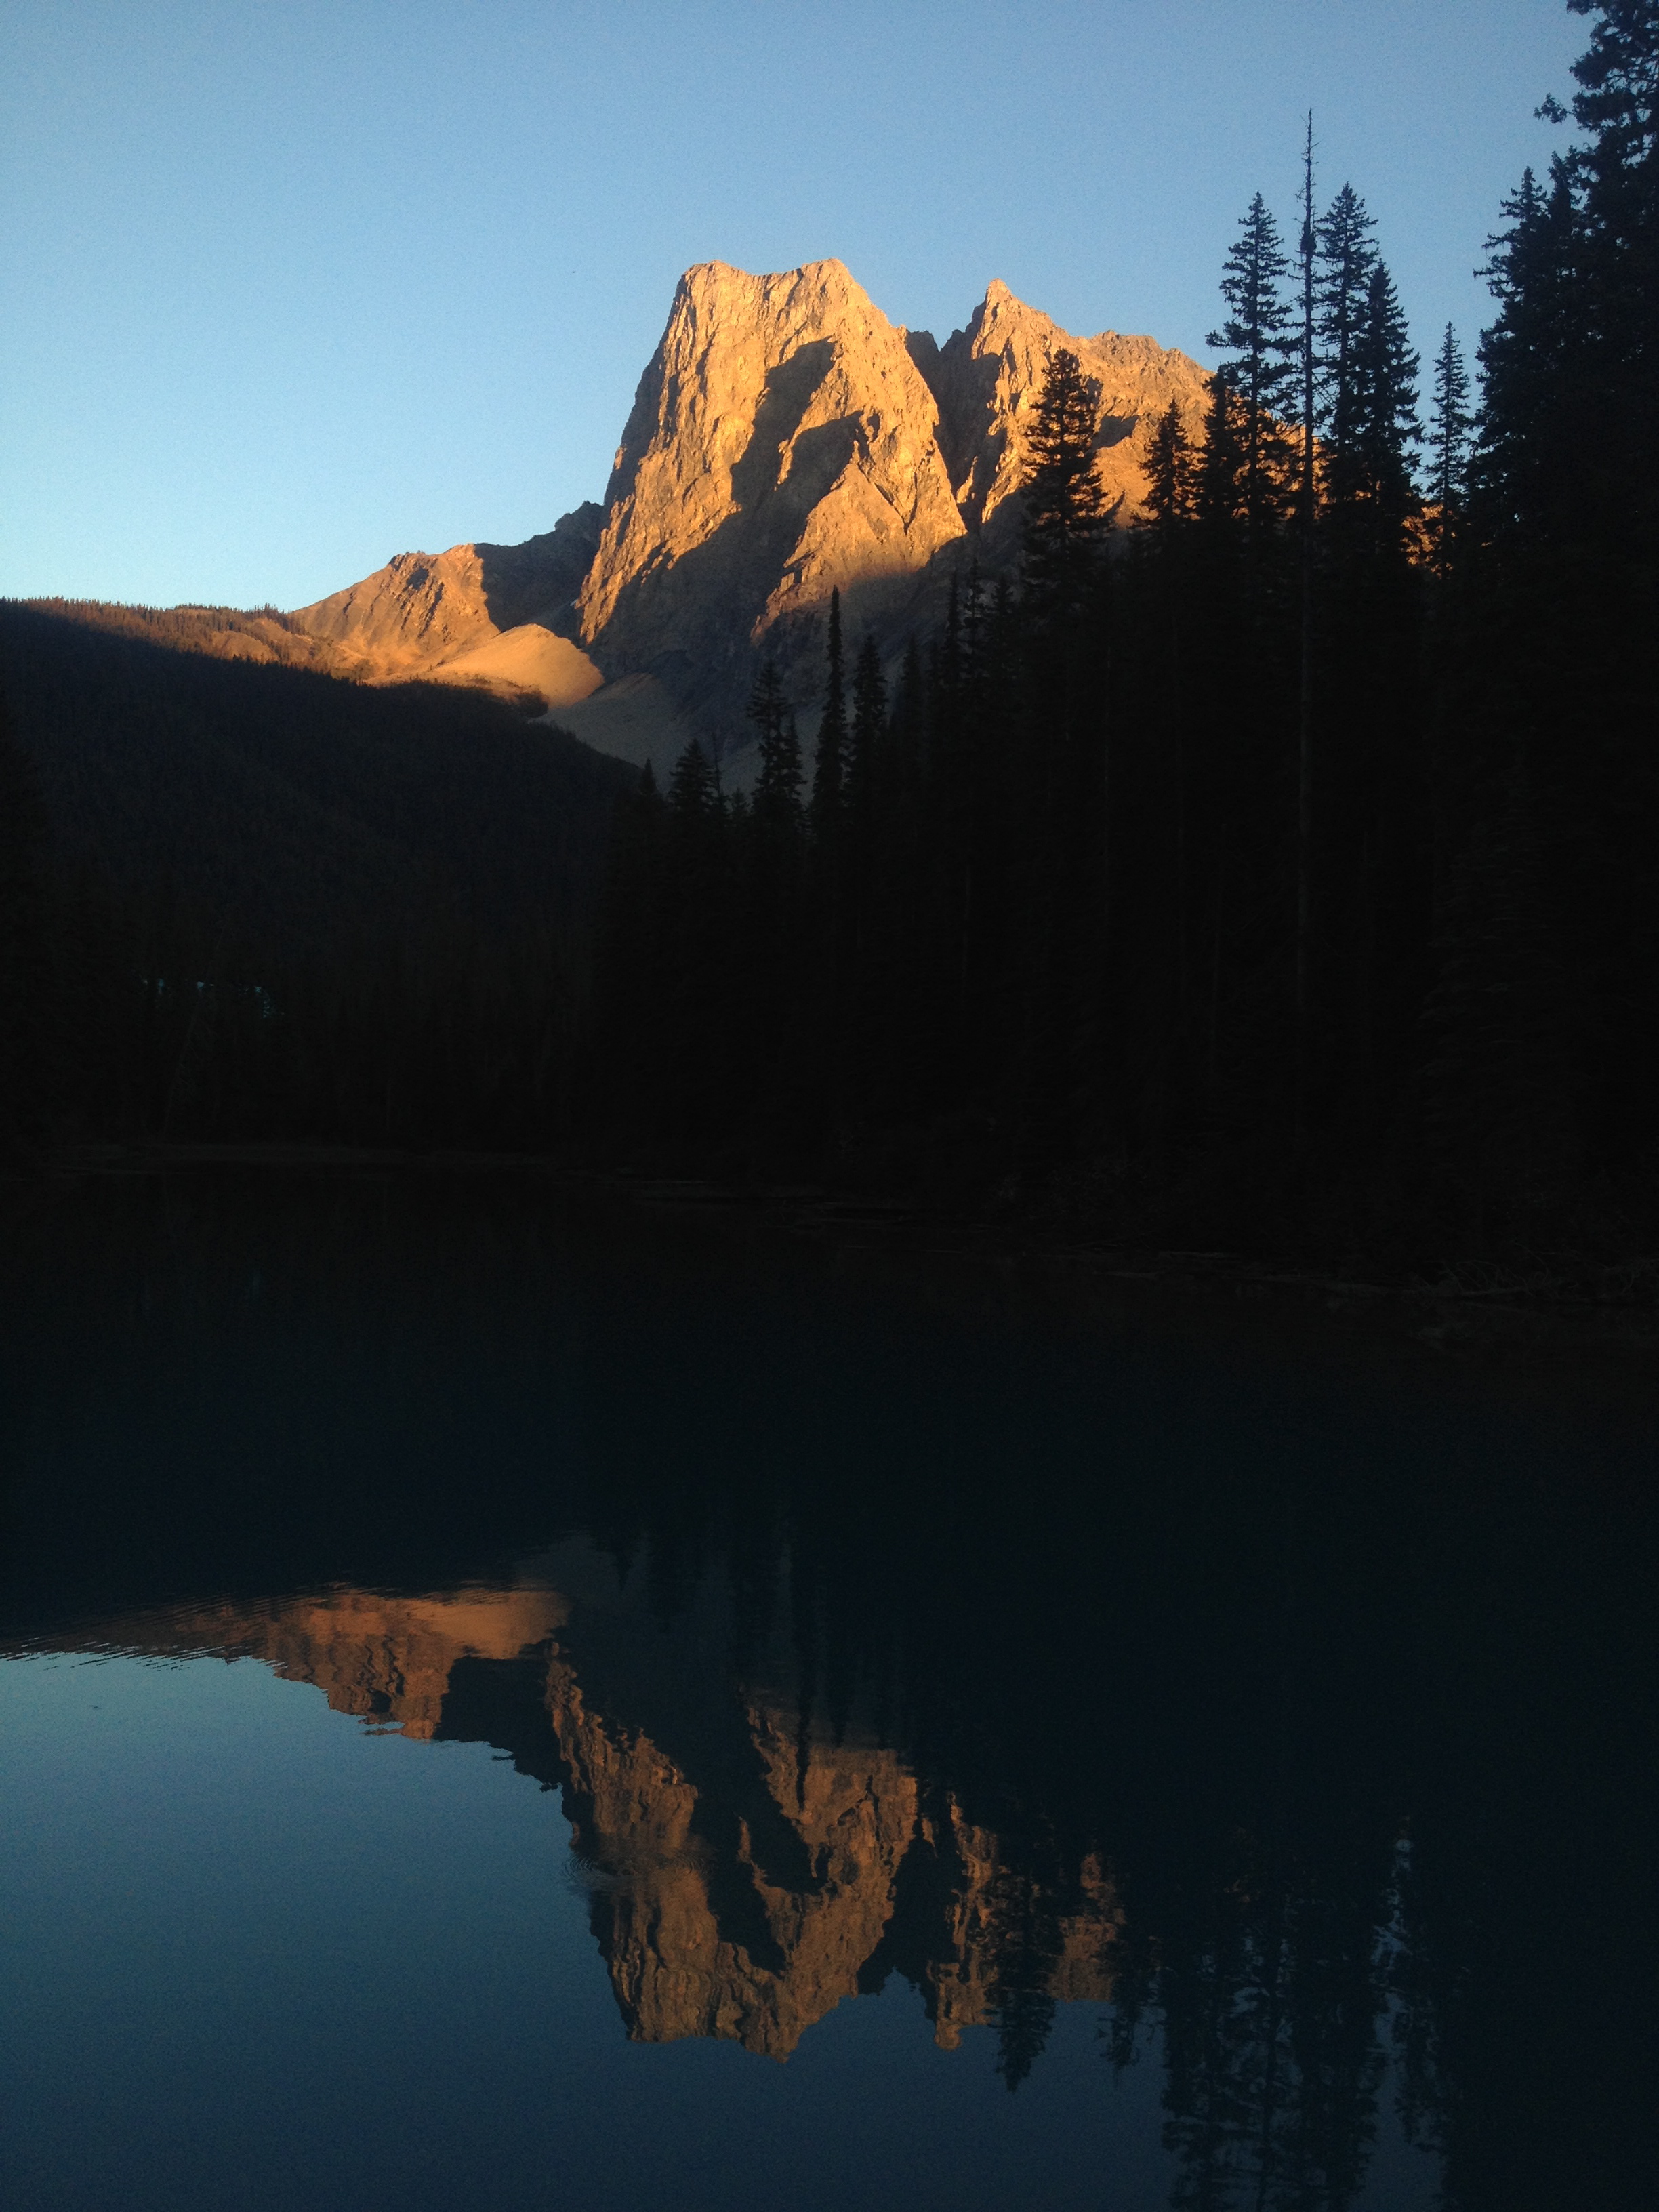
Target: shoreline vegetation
x,y
1271,877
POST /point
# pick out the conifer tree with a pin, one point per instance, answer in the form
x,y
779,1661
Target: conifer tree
x,y
777,787
830,770
1524,358
1347,259
1220,499
691,794
1449,443
1066,507
1386,427
1172,472
1261,373
1307,491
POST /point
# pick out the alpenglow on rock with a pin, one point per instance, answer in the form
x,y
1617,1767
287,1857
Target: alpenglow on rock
x,y
782,444
786,440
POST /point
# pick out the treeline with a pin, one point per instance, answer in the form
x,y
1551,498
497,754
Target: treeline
x,y
249,902
1293,861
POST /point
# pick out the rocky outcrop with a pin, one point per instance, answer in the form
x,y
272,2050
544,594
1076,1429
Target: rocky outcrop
x,y
786,439
491,614
985,380
782,444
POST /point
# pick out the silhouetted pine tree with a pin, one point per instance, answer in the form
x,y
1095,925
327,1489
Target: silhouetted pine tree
x,y
829,769
1347,257
1450,426
1387,428
777,786
1261,376
1066,507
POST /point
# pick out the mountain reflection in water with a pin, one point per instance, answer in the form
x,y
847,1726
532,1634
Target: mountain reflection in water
x,y
1286,1701
749,1869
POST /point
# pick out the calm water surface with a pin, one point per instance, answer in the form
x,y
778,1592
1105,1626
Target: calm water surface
x,y
509,1702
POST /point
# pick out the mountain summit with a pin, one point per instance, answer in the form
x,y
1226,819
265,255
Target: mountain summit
x,y
782,443
786,439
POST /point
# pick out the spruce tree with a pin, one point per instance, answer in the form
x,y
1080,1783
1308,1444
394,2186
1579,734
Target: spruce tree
x,y
1172,472
1449,444
829,769
1066,507
1261,374
1386,427
1307,491
777,787
691,794
1347,259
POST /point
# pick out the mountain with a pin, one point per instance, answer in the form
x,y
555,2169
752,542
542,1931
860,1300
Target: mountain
x,y
786,440
985,380
478,614
782,442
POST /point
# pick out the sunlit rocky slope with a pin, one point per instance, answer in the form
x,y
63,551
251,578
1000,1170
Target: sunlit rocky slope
x,y
749,1866
786,440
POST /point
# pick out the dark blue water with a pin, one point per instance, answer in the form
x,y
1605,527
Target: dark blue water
x,y
510,1701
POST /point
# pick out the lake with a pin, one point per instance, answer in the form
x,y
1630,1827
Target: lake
x,y
512,1699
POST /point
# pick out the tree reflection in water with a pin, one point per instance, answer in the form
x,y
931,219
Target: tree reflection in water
x,y
1298,1711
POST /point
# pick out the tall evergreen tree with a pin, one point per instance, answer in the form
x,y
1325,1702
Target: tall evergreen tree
x,y
1387,427
1450,427
829,769
777,786
1347,257
1066,507
1306,504
1172,472
1258,334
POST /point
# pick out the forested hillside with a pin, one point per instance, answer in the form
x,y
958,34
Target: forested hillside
x,y
259,901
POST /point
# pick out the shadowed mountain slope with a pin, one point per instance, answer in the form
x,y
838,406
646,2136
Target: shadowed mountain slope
x,y
290,809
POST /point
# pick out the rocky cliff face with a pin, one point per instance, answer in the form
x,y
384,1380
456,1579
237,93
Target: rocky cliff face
x,y
986,379
749,1868
782,444
785,441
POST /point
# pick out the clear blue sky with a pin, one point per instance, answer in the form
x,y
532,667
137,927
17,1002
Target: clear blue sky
x,y
288,286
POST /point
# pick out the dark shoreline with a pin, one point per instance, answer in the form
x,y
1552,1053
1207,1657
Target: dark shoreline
x,y
1567,1313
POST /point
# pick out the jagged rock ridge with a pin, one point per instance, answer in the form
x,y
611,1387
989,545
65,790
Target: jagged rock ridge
x,y
782,444
786,440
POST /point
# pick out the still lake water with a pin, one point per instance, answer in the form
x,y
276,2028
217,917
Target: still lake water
x,y
508,1702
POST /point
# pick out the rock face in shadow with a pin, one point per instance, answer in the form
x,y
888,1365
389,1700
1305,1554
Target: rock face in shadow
x,y
749,1867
